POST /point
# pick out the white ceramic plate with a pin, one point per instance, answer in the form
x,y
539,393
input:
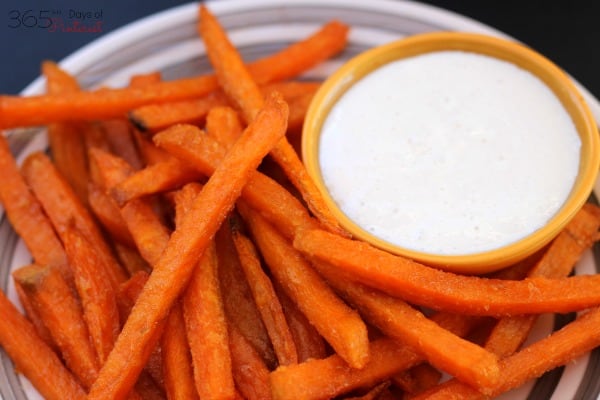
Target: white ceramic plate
x,y
168,41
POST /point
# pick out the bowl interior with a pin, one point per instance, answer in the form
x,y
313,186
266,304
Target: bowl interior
x,y
552,76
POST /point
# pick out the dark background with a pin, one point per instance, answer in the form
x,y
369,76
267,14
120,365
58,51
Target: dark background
x,y
566,32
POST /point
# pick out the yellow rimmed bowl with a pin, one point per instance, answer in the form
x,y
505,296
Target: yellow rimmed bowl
x,y
554,78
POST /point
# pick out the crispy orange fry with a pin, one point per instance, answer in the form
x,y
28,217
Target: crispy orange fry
x,y
262,193
176,358
239,85
26,215
120,138
141,80
131,259
309,343
45,371
65,139
141,221
266,300
562,346
155,117
240,308
395,318
62,314
330,377
162,176
207,330
336,322
102,104
401,277
64,208
187,242
510,332
106,210
95,289
224,125
249,370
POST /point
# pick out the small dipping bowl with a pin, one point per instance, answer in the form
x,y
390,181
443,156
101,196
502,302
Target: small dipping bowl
x,y
477,262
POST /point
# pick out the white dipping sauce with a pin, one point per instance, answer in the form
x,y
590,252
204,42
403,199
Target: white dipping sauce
x,y
449,153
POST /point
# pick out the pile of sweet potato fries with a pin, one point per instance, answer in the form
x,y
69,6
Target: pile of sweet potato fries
x,y
180,250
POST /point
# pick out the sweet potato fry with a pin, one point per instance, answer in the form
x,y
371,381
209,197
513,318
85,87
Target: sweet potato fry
x,y
141,221
332,376
309,343
64,208
509,333
224,125
239,85
468,362
187,242
108,214
176,358
62,314
45,371
26,215
95,289
262,193
65,139
34,317
207,330
336,322
155,117
266,300
131,259
141,80
250,373
562,346
240,307
102,104
119,136
159,177
401,277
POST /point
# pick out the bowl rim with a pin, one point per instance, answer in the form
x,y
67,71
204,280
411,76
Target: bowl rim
x,y
558,81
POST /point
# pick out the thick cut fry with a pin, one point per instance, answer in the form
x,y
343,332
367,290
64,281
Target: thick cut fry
x,y
96,292
159,177
287,63
186,244
176,358
141,80
562,346
119,136
107,212
330,377
404,278
336,322
143,224
309,343
250,373
240,307
59,309
262,193
155,117
65,139
266,300
395,318
64,208
207,331
224,125
26,215
557,261
239,85
45,371
33,316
